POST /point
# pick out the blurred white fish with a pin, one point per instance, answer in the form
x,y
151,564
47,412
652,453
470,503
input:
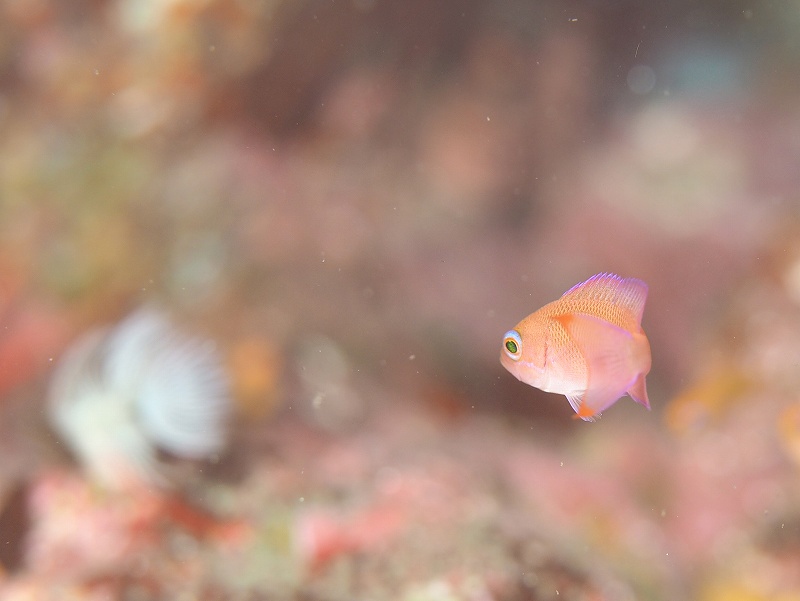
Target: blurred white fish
x,y
120,394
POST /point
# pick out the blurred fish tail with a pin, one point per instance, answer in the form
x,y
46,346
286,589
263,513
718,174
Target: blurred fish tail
x,y
638,391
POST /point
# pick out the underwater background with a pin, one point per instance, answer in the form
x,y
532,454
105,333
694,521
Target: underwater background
x,y
351,201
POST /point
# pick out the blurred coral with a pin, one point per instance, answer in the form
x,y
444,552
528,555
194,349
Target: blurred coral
x,y
32,336
113,529
788,427
255,367
707,399
119,395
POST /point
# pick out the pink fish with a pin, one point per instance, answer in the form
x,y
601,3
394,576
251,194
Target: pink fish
x,y
588,345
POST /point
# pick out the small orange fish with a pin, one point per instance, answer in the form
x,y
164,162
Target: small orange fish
x,y
588,345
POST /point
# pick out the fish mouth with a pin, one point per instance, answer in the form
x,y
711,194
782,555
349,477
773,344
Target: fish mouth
x,y
522,370
512,367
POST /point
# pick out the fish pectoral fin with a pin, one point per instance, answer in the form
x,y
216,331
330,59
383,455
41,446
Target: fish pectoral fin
x,y
606,350
575,401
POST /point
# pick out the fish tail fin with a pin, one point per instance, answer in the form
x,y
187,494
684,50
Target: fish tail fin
x,y
638,391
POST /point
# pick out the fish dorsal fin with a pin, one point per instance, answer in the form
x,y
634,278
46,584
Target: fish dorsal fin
x,y
629,293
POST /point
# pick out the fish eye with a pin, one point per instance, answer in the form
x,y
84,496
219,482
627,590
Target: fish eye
x,y
512,344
